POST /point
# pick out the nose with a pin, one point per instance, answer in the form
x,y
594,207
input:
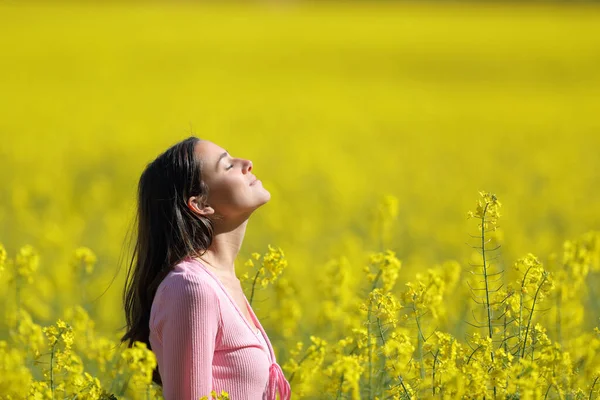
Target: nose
x,y
248,165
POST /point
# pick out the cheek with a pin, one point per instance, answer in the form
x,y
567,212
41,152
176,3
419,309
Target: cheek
x,y
227,191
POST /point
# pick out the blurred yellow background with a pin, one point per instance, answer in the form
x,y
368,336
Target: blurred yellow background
x,y
336,104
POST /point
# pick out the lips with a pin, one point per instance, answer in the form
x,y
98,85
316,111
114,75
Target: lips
x,y
253,182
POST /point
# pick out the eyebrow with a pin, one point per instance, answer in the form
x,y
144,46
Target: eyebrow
x,y
220,157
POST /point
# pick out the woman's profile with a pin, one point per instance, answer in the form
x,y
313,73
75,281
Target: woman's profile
x,y
182,297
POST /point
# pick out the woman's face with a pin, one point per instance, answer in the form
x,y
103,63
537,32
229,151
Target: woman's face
x,y
233,188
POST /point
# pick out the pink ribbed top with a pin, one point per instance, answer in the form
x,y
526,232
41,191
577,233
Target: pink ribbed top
x,y
203,342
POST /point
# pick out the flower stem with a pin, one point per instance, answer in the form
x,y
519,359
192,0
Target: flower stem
x,y
558,318
339,392
420,340
485,276
531,315
593,384
52,369
253,285
369,335
370,351
301,361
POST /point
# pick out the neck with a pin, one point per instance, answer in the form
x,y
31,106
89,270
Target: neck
x,y
226,244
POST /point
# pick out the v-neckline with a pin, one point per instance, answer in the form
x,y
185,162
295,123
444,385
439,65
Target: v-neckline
x,y
255,320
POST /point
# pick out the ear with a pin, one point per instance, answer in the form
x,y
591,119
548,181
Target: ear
x,y
197,206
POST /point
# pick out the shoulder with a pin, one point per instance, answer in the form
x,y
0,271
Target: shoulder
x,y
189,281
187,301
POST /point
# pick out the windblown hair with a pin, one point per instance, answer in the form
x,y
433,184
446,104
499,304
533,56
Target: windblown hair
x,y
167,232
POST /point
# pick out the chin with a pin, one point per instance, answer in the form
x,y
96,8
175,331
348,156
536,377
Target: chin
x,y
268,196
265,199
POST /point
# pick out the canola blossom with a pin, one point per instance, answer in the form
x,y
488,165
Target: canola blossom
x,y
394,348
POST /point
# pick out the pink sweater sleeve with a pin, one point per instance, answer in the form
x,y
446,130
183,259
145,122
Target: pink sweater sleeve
x,y
191,316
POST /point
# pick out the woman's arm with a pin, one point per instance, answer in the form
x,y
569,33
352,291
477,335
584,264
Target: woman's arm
x,y
189,334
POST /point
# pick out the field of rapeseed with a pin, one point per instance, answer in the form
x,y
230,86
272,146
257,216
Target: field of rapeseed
x,y
433,230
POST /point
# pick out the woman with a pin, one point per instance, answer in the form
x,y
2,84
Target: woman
x,y
182,297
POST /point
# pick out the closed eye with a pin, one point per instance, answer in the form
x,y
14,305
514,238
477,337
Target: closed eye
x,y
231,166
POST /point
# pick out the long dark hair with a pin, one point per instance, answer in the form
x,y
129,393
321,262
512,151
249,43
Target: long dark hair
x,y
167,232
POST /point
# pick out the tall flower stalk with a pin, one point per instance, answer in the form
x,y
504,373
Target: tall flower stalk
x,y
488,214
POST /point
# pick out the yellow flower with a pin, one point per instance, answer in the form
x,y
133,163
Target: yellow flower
x,y
14,374
398,350
274,262
487,210
385,306
271,267
83,260
385,265
214,396
26,334
27,262
51,333
351,367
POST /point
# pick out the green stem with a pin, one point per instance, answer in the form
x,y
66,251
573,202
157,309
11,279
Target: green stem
x,y
420,340
485,277
124,387
531,316
592,389
433,372
487,289
76,395
472,353
370,351
339,392
301,361
504,341
253,285
113,366
52,369
369,334
404,387
393,366
547,391
558,318
381,383
520,325
533,337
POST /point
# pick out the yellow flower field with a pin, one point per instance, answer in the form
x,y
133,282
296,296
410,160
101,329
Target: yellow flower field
x,y
433,231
